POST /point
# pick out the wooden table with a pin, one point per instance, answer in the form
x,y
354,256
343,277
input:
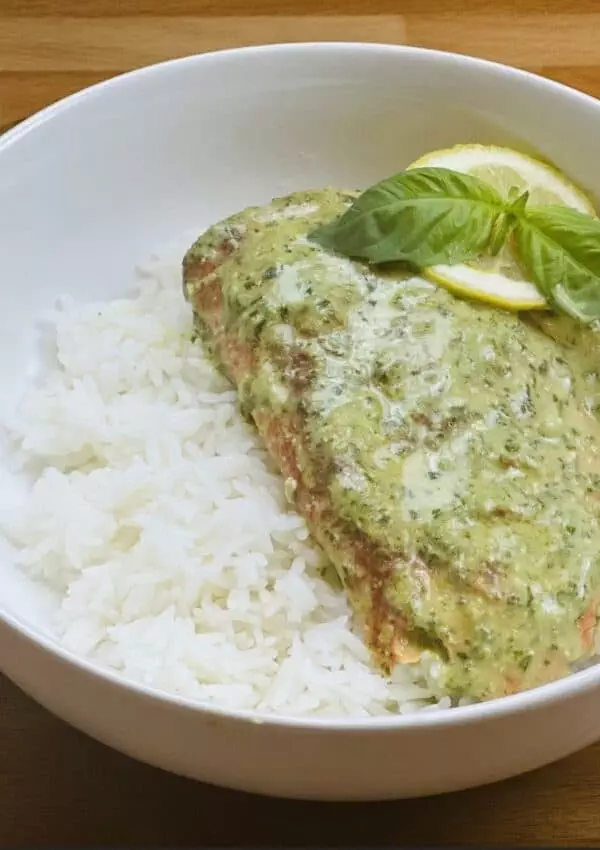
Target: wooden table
x,y
59,787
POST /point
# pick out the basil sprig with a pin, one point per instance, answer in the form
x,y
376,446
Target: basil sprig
x,y
432,216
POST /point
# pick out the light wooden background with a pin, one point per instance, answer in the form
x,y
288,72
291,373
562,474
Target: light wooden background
x,y
49,48
58,787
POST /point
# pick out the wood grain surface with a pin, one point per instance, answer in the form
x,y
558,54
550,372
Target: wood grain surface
x,y
49,48
59,787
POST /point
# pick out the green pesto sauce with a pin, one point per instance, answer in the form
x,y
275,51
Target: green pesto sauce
x,y
459,436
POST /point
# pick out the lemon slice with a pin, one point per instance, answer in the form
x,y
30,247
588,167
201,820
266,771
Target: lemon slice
x,y
499,280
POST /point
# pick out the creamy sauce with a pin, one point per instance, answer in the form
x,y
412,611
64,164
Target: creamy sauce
x,y
457,436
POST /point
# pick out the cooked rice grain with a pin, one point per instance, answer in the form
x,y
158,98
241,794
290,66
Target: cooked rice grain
x,y
156,517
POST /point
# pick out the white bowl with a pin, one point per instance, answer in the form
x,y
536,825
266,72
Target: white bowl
x,y
91,186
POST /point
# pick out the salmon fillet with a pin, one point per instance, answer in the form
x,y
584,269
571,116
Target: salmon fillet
x,y
442,453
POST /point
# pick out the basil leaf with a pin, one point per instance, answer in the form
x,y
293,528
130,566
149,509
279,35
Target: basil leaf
x,y
560,249
424,216
503,227
518,203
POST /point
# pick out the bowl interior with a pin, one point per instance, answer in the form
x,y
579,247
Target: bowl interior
x,y
93,186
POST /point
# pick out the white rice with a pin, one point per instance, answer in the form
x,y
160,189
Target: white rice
x,y
157,519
